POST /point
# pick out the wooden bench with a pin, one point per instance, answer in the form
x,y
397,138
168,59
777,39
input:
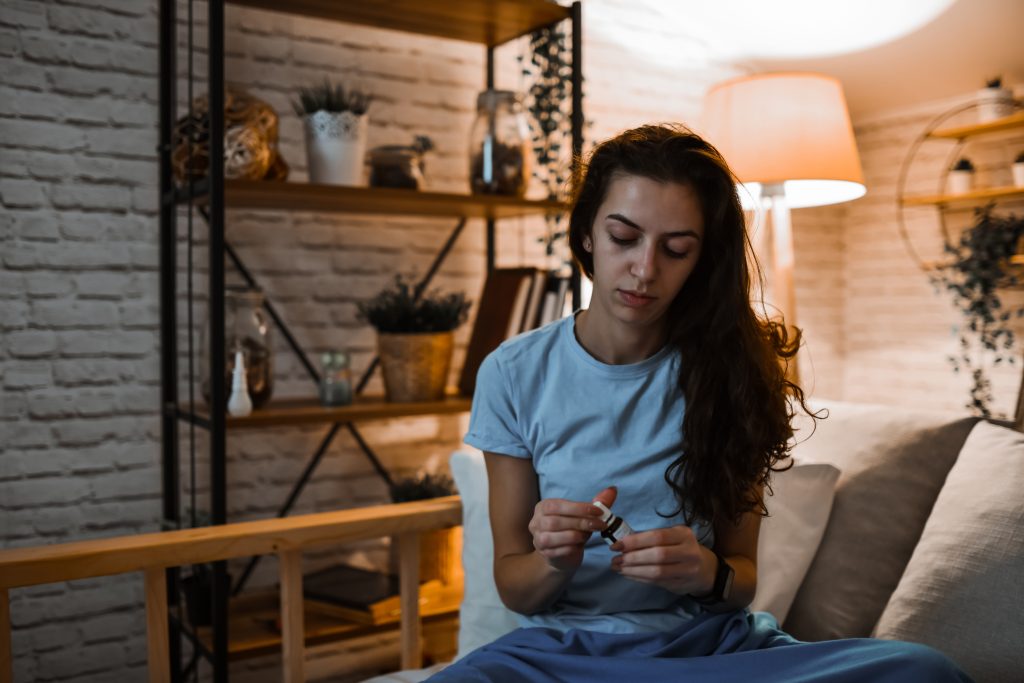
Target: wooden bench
x,y
154,553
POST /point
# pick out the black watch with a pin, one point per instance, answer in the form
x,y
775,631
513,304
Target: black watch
x,y
722,588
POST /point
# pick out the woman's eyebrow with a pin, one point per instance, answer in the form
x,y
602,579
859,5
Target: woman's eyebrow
x,y
678,233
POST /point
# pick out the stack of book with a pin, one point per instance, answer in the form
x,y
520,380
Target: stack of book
x,y
514,300
370,597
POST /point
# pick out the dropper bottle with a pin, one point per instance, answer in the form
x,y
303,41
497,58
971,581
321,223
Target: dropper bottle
x,y
617,528
239,405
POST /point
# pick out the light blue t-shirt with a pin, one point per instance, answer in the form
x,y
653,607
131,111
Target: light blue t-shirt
x,y
587,425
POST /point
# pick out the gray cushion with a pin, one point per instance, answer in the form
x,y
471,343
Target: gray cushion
x,y
893,462
963,589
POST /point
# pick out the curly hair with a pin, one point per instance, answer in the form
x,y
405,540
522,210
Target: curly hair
x,y
736,427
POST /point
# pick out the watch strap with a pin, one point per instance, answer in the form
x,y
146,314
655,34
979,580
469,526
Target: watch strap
x,y
723,578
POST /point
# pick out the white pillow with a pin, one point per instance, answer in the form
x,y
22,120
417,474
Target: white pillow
x,y
798,513
963,589
483,617
789,538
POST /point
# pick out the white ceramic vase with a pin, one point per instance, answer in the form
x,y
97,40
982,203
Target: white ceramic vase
x,y
1018,174
994,103
335,147
960,182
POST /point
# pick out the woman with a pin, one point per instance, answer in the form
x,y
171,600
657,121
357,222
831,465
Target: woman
x,y
667,401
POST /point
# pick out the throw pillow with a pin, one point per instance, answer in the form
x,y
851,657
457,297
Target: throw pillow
x,y
483,617
798,511
893,462
961,592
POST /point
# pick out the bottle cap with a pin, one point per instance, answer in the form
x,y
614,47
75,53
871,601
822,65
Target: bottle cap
x,y
606,514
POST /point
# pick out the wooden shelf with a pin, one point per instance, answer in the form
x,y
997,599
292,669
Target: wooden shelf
x,y
489,22
309,411
253,628
973,197
259,194
1012,122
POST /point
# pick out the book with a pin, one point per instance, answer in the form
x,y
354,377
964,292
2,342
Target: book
x,y
361,594
553,306
434,597
503,306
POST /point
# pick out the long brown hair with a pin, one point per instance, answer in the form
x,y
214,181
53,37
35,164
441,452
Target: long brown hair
x,y
737,423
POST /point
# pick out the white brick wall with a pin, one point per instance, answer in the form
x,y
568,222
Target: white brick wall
x,y
79,456
898,330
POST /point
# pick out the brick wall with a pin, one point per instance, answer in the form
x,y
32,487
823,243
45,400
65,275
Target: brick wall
x,y
79,457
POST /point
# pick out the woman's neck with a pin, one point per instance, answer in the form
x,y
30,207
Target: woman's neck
x,y
613,343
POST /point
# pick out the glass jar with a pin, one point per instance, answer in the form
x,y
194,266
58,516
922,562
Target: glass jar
x,y
500,145
246,328
396,166
336,381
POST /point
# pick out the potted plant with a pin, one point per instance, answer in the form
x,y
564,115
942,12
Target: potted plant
x,y
440,548
994,101
415,338
979,267
1018,170
336,125
961,177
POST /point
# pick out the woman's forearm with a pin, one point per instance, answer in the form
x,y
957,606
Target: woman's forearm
x,y
527,583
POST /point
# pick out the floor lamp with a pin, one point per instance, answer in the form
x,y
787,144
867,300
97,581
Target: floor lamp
x,y
788,138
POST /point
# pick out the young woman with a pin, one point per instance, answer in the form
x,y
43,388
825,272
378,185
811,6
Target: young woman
x,y
667,401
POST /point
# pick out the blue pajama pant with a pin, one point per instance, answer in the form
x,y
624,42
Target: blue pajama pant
x,y
739,647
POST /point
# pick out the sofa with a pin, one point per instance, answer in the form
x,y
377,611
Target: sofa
x,y
893,523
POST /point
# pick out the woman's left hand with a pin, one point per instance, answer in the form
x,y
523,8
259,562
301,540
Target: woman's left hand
x,y
670,558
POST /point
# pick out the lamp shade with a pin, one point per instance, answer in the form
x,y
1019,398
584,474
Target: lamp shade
x,y
791,129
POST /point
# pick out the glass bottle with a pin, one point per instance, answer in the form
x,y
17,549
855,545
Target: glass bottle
x,y
500,145
336,381
246,328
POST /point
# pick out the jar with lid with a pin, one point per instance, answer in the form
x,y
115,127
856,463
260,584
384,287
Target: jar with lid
x,y
500,145
247,329
336,381
396,166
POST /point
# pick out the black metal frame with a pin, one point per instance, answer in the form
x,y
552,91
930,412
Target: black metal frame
x,y
212,188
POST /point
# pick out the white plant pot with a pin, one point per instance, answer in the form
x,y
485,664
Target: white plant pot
x,y
335,146
994,103
1018,174
960,182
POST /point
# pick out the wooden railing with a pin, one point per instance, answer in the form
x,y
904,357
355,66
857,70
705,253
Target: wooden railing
x,y
287,538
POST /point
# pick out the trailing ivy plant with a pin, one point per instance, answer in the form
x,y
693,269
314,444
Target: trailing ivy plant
x,y
550,70
979,267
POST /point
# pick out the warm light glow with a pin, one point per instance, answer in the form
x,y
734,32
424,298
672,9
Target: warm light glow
x,y
789,129
792,29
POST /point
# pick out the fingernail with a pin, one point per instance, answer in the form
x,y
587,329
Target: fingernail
x,y
617,547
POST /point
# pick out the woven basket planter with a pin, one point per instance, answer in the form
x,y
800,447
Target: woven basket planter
x,y
415,366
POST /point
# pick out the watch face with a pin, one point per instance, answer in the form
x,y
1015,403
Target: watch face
x,y
727,587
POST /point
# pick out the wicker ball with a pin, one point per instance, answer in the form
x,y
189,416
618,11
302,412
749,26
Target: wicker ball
x,y
250,140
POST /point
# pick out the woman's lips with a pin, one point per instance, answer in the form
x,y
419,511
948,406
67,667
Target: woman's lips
x,y
634,299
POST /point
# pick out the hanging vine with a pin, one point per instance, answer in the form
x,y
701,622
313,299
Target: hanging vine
x,y
550,71
979,268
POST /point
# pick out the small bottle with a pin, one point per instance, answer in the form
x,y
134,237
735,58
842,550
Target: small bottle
x,y
336,384
239,404
617,528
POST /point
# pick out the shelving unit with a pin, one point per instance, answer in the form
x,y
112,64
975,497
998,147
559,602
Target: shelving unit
x,y
943,201
488,23
949,203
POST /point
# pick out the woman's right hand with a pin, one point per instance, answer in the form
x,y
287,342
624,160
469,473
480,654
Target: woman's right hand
x,y
560,528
